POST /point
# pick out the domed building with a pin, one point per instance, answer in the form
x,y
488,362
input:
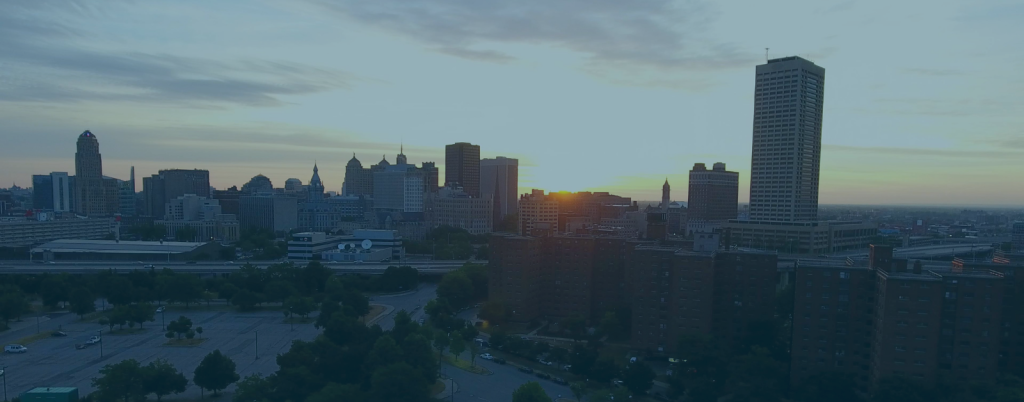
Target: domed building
x,y
358,180
316,186
292,184
258,184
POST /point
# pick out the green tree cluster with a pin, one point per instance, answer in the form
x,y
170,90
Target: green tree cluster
x,y
130,381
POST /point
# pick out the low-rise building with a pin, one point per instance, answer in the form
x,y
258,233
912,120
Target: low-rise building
x,y
812,237
451,206
114,250
201,217
26,232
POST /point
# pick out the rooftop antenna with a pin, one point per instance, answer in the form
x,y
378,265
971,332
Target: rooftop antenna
x,y
765,55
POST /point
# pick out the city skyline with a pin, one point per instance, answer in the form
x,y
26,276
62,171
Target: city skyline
x,y
907,122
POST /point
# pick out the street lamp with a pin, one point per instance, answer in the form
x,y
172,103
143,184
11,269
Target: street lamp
x,y
100,334
3,373
257,344
163,323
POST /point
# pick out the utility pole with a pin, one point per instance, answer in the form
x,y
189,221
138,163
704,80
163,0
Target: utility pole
x,y
101,342
3,373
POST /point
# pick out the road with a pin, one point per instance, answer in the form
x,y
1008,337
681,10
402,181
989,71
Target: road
x,y
499,386
26,267
406,301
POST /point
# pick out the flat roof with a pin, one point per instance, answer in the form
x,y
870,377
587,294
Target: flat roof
x,y
114,246
52,390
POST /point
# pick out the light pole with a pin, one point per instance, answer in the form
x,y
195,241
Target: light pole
x,y
163,323
257,344
3,373
100,334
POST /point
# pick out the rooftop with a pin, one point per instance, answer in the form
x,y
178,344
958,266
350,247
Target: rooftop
x,y
114,246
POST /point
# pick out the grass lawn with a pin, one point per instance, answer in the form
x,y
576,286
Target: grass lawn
x,y
33,338
375,310
437,388
464,365
185,342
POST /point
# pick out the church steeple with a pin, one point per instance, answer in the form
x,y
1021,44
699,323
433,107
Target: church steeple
x,y
316,186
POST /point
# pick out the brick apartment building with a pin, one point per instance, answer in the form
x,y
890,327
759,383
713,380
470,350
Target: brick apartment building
x,y
676,292
514,271
890,317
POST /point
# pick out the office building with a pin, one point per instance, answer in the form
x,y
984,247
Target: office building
x,y
258,184
126,196
274,212
398,188
1017,236
358,181
788,108
42,192
462,167
228,199
63,191
514,269
499,179
713,198
293,185
537,210
333,213
42,228
431,175
815,237
96,195
454,207
362,245
169,184
203,215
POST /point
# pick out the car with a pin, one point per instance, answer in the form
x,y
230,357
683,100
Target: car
x,y
541,374
486,356
526,370
566,367
15,348
51,262
632,359
160,309
559,381
58,334
150,266
93,340
228,262
422,321
544,362
500,360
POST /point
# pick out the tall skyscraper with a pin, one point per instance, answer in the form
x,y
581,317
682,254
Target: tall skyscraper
x,y
499,178
62,188
462,167
666,196
170,184
713,195
42,191
788,99
96,196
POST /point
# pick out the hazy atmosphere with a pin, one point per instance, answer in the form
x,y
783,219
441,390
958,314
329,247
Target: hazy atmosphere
x,y
589,95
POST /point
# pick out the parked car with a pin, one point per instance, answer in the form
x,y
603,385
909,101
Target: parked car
x,y
526,370
93,340
560,381
150,266
15,348
541,374
566,367
160,309
487,356
500,360
57,334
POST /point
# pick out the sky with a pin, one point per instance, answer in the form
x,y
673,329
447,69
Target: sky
x,y
923,99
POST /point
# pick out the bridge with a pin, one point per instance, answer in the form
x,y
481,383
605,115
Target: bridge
x,y
428,267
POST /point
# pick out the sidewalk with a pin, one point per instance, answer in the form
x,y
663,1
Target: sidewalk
x,y
450,387
387,310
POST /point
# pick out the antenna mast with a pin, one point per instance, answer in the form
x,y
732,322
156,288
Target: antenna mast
x,y
765,55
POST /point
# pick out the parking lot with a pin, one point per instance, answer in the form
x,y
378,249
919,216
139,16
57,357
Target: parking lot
x,y
55,361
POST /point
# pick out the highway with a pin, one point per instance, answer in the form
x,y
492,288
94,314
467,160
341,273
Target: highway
x,y
427,267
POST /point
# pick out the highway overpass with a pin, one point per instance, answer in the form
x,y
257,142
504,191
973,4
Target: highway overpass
x,y
218,267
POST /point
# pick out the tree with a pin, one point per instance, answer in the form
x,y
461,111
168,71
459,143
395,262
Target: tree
x,y
82,301
181,288
186,233
576,326
124,381
334,392
385,352
398,383
215,372
54,289
199,330
638,378
246,300
140,313
161,378
530,392
494,312
582,359
279,291
457,346
300,306
578,390
604,370
827,386
13,303
441,341
456,288
474,349
180,326
255,387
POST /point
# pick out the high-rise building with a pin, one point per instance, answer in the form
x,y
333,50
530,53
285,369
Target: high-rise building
x,y
96,195
358,181
274,212
537,210
499,179
713,197
666,196
42,191
63,187
169,184
462,167
1017,236
203,216
126,195
789,94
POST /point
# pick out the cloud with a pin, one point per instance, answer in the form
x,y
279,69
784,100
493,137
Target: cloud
x,y
650,33
46,60
924,152
932,72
